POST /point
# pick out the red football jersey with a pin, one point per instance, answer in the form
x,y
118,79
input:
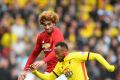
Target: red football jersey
x,y
46,43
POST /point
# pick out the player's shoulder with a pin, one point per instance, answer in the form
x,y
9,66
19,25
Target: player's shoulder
x,y
72,55
57,30
40,34
76,54
56,33
82,52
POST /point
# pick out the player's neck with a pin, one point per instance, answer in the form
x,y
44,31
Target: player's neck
x,y
50,32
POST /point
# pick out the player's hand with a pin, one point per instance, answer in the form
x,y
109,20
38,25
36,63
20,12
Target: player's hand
x,y
38,64
31,67
22,76
112,68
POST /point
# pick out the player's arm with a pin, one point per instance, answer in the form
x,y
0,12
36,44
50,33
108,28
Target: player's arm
x,y
58,38
51,76
94,56
100,59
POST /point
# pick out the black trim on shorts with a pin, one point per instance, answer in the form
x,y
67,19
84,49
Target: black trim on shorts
x,y
55,74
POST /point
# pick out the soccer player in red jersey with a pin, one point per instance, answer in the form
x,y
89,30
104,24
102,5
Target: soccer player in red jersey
x,y
46,42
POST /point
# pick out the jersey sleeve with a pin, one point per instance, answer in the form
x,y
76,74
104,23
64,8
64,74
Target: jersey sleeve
x,y
34,53
101,60
42,76
83,56
50,76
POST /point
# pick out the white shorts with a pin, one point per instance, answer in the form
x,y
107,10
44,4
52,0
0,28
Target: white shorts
x,y
31,76
61,77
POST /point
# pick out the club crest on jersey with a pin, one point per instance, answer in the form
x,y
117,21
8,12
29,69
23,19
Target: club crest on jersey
x,y
67,72
46,45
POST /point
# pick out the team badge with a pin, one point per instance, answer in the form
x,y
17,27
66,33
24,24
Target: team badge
x,y
46,45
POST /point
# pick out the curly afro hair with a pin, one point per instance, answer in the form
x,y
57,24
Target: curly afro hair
x,y
48,16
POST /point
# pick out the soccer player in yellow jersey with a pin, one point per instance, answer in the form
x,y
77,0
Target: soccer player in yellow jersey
x,y
71,65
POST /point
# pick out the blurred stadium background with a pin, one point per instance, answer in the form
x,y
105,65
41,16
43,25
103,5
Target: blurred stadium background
x,y
87,25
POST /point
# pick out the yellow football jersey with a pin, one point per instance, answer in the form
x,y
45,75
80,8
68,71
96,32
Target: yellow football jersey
x,y
73,66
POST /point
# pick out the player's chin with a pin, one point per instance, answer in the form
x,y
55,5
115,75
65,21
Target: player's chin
x,y
49,31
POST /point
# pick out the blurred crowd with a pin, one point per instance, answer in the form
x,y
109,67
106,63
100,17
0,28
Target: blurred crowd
x,y
87,25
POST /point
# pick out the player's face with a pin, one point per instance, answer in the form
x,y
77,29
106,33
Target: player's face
x,y
60,54
48,26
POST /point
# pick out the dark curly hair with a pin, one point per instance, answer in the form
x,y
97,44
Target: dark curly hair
x,y
48,16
